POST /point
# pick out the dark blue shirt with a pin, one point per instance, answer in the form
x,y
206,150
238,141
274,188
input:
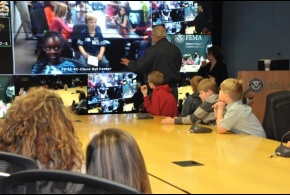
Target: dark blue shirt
x,y
91,44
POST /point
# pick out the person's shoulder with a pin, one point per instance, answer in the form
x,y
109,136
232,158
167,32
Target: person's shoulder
x,y
84,31
221,63
66,63
212,98
98,29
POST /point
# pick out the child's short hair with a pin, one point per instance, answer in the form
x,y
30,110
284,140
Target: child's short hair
x,y
232,87
90,16
207,84
195,81
156,78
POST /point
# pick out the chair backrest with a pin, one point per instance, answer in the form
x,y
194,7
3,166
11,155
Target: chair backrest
x,y
281,115
12,163
77,28
39,19
276,118
62,182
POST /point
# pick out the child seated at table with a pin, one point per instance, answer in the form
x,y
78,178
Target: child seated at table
x,y
204,113
91,42
193,101
232,115
162,101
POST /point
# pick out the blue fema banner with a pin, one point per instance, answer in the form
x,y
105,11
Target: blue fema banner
x,y
193,49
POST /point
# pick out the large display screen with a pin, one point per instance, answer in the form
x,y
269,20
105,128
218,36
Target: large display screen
x,y
193,49
25,61
183,17
119,41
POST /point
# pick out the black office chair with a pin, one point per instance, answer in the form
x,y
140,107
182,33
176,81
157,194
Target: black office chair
x,y
276,118
11,163
77,28
247,97
62,182
39,19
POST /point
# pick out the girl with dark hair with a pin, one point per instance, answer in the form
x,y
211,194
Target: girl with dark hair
x,y
122,19
49,61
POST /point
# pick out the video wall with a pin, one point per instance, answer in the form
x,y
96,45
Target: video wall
x,y
73,61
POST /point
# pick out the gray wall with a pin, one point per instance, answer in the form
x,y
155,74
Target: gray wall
x,y
253,30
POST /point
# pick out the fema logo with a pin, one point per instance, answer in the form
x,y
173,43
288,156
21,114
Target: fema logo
x,y
256,85
179,38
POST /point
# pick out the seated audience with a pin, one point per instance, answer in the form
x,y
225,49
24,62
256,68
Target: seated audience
x,y
162,101
114,154
232,115
39,126
193,101
204,113
49,61
81,106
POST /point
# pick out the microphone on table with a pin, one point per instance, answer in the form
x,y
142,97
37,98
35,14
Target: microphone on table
x,y
245,99
141,114
283,150
199,129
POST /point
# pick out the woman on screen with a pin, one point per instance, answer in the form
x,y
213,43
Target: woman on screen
x,y
49,61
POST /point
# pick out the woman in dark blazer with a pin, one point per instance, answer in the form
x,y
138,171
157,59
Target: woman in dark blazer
x,y
216,68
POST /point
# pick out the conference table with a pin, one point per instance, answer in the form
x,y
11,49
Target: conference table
x,y
212,162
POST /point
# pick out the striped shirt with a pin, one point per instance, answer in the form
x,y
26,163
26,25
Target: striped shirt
x,y
240,119
204,113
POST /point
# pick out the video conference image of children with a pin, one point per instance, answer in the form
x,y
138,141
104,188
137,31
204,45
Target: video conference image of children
x,y
109,92
183,17
83,37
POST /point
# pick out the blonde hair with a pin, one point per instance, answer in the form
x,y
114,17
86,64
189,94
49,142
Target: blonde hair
x,y
232,87
115,155
89,17
194,81
38,125
60,9
156,78
207,84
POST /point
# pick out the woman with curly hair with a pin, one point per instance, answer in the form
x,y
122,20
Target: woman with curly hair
x,y
38,125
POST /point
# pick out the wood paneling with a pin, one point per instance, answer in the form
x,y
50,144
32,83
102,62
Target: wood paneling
x,y
271,81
